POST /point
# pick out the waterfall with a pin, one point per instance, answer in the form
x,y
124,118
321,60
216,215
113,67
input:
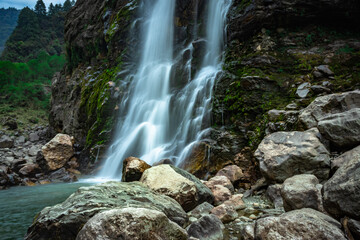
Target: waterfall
x,y
160,122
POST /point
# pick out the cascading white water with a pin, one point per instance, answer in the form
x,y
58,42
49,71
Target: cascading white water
x,y
160,123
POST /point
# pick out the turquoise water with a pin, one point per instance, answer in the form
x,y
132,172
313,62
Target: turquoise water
x,y
19,205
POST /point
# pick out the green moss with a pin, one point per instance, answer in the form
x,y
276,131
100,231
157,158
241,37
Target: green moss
x,y
97,103
244,4
120,20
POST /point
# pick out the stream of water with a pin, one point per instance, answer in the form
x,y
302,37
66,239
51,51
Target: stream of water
x,y
162,121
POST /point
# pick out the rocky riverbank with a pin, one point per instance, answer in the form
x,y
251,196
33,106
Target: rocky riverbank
x,y
304,191
28,157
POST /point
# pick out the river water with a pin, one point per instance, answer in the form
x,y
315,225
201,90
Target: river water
x,y
19,205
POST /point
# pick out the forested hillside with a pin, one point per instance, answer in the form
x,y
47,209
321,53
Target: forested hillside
x,y
8,20
37,30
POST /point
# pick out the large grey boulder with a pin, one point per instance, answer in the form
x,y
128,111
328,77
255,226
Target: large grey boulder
x,y
284,154
303,224
208,227
131,223
344,158
337,116
325,106
342,129
168,180
342,191
302,191
65,220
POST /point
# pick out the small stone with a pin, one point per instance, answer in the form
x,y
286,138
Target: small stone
x,y
6,142
253,217
325,69
303,90
33,137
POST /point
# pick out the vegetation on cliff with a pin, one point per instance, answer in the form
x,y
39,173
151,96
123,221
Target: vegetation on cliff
x,y
8,19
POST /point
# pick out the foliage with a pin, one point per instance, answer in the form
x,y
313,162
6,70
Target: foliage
x,y
23,83
40,8
8,19
37,30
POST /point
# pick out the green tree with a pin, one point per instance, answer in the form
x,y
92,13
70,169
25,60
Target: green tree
x,y
51,9
58,8
40,8
73,2
67,6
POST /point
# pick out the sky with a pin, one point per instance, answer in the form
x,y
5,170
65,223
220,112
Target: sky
x,y
25,3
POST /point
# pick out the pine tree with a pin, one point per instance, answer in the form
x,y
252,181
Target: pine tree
x,y
67,6
51,9
40,8
73,2
57,8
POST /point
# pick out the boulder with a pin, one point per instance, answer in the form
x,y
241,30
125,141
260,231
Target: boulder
x,y
221,194
177,184
220,180
17,164
201,210
232,172
65,220
29,170
208,227
11,124
342,129
236,202
342,192
34,137
58,151
328,105
4,179
131,223
304,224
273,192
354,227
6,142
62,175
302,191
226,213
344,158
133,168
284,154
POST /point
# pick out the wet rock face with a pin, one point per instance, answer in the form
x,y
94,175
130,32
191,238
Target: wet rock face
x,y
285,154
131,223
342,192
65,220
310,223
250,16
